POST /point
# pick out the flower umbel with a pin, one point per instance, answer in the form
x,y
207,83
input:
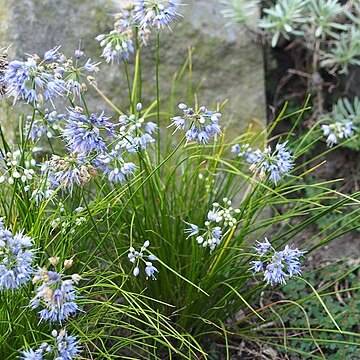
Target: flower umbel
x,y
220,220
16,258
156,14
63,347
272,164
276,266
203,124
136,256
337,130
35,79
55,296
82,133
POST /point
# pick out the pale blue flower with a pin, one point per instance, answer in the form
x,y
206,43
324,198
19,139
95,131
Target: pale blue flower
x,y
68,171
135,257
219,221
192,230
116,46
277,266
55,297
114,166
63,347
83,134
44,124
272,164
203,124
52,54
337,130
32,355
262,247
32,80
150,270
257,266
155,13
135,133
16,258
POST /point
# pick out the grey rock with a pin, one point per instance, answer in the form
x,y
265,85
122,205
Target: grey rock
x,y
227,61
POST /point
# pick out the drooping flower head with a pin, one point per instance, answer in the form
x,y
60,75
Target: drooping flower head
x,y
337,130
276,266
34,79
135,133
135,257
267,163
45,123
220,220
68,171
204,124
16,258
83,134
117,46
55,296
114,166
63,347
156,14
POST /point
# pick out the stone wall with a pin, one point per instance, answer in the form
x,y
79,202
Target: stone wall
x,y
227,60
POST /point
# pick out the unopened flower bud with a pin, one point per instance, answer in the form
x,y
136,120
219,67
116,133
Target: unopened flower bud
x,y
68,263
54,260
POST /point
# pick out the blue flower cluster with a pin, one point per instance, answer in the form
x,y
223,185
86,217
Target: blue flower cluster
x,y
83,134
155,13
136,256
204,124
55,296
276,266
337,130
117,46
63,347
95,146
267,164
37,79
16,258
114,166
33,80
74,169
220,220
45,123
135,133
17,165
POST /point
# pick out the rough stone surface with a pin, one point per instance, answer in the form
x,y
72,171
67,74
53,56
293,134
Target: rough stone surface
x,y
226,61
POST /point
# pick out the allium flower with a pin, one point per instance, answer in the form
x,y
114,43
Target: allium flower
x,y
33,80
135,257
337,130
82,134
272,164
16,258
117,46
262,247
46,123
114,167
155,13
203,124
14,167
220,220
277,266
244,151
63,347
135,133
124,24
66,172
55,296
